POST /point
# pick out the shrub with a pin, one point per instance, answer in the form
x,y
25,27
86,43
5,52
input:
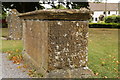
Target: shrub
x,y
104,25
112,19
3,22
117,20
101,17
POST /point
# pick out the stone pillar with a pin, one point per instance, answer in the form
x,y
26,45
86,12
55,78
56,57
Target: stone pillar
x,y
55,42
14,25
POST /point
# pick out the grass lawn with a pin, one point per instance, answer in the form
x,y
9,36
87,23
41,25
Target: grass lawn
x,y
103,51
10,45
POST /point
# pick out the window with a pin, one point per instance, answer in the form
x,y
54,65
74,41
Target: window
x,y
108,12
95,19
92,18
104,12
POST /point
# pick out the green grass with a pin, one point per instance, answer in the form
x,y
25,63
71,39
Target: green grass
x,y
103,47
12,45
102,53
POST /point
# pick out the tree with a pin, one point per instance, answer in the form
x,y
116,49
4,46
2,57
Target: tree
x,y
22,6
98,1
78,5
68,5
31,6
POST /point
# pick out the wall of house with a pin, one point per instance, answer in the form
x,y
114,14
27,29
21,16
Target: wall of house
x,y
98,13
113,12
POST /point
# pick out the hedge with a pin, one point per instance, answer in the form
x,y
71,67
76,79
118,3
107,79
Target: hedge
x,y
112,19
104,25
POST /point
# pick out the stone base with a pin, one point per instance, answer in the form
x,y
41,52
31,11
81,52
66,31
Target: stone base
x,y
14,38
82,72
32,64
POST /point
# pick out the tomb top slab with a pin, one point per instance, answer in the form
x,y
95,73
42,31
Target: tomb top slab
x,y
61,14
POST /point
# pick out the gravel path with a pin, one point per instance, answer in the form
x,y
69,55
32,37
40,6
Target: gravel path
x,y
10,70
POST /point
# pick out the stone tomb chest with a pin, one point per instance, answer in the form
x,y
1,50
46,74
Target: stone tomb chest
x,y
55,42
14,25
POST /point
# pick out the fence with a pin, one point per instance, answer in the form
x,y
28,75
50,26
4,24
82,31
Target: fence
x,y
55,42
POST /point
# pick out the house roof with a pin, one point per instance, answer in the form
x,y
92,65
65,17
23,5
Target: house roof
x,y
101,6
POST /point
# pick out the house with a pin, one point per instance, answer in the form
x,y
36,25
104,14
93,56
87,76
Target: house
x,y
105,9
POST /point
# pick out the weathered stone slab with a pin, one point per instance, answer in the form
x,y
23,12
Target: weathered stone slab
x,y
67,44
70,73
50,14
14,25
57,46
